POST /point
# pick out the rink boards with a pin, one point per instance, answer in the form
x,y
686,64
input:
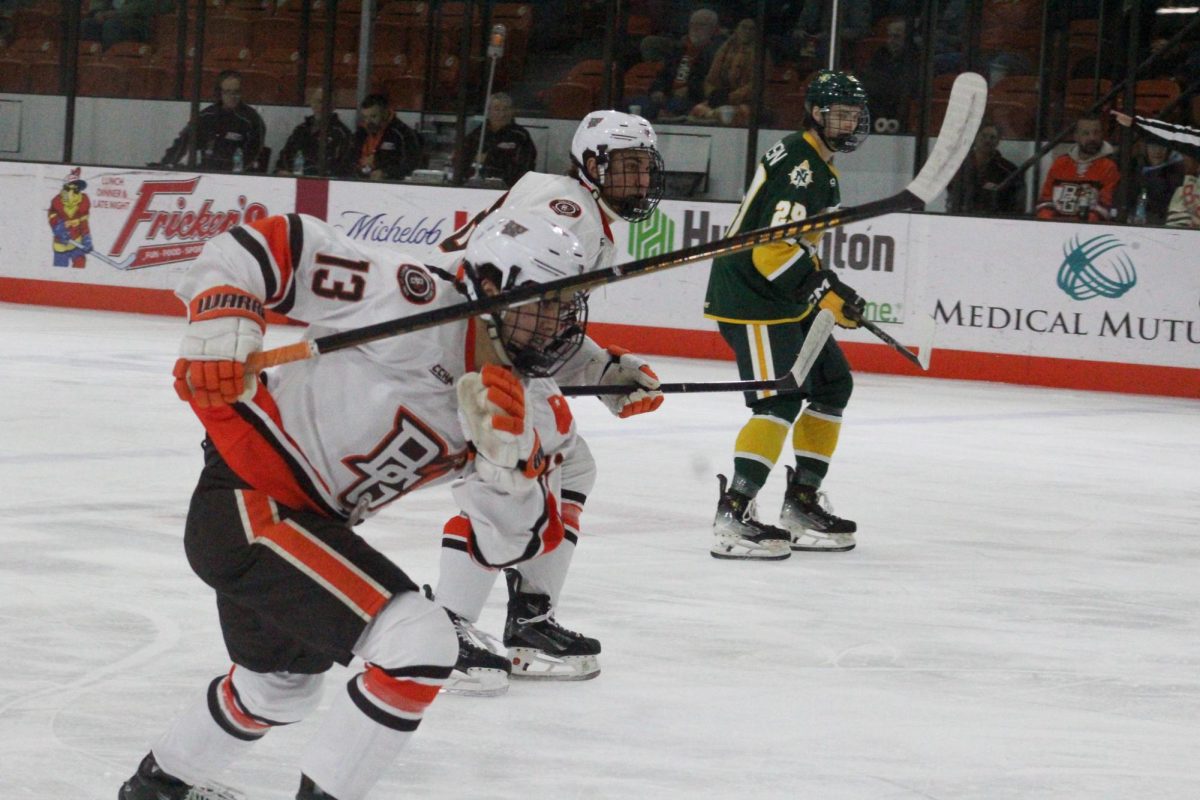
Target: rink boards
x,y
1059,304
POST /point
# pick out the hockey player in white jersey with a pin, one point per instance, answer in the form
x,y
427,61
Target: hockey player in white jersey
x,y
617,174
293,459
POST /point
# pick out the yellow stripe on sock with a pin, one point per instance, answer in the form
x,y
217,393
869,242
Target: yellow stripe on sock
x,y
761,439
816,435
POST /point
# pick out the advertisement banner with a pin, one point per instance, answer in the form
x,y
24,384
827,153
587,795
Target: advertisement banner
x,y
1092,306
1071,291
118,227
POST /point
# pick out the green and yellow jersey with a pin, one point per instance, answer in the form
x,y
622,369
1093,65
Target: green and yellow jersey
x,y
792,182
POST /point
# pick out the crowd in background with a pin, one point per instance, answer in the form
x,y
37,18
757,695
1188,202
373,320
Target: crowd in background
x,y
697,62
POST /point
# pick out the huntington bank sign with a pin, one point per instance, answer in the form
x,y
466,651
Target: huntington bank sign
x,y
839,248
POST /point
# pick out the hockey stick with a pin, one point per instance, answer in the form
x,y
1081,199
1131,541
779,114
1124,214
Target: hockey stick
x,y
818,333
963,114
91,251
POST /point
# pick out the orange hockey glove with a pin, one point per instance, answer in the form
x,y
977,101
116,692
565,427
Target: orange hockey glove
x,y
225,326
619,367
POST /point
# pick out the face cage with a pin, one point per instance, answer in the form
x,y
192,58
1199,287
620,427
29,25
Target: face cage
x,y
846,142
543,355
633,209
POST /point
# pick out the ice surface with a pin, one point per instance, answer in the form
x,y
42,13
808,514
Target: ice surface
x,y
1020,619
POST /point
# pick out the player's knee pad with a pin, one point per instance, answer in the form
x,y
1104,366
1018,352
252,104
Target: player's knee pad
x,y
784,407
410,631
834,394
279,697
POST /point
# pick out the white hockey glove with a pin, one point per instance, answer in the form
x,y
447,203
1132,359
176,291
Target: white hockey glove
x,y
619,367
225,326
491,410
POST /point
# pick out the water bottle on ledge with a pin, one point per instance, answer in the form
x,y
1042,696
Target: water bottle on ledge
x,y
238,162
1139,210
298,163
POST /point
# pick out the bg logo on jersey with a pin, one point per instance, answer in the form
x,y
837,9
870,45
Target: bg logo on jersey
x,y
177,234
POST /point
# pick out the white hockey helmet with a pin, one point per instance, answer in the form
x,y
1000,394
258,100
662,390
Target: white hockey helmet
x,y
512,248
630,191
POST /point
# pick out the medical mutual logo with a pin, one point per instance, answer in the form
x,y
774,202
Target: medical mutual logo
x,y
652,237
1096,267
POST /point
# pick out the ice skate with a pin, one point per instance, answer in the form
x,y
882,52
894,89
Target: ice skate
x,y
538,646
807,516
151,783
310,791
479,670
740,536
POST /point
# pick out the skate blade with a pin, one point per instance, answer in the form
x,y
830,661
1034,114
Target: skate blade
x,y
732,548
534,665
757,555
477,683
810,542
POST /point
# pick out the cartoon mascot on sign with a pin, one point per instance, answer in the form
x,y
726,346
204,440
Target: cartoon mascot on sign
x,y
69,222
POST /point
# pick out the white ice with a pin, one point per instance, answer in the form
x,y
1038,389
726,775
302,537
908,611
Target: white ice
x,y
1020,620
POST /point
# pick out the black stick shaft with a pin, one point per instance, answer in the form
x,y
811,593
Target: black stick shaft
x,y
891,342
903,201
781,385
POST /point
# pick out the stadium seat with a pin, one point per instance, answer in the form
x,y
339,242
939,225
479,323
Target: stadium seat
x,y
640,77
569,100
1153,94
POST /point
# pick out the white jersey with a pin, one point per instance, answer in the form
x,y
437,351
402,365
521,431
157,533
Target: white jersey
x,y
572,203
577,210
348,432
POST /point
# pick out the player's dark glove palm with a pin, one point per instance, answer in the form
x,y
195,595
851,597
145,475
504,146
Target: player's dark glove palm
x,y
825,289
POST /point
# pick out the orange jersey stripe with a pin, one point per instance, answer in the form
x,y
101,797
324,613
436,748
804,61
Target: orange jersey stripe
x,y
403,695
254,458
277,233
300,547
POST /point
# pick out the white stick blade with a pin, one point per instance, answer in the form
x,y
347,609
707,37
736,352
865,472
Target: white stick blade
x,y
920,332
963,115
814,342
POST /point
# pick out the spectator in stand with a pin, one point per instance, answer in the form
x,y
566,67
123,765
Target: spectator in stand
x,y
384,147
812,30
112,21
891,75
973,188
508,152
1183,211
1159,172
1081,182
680,84
301,154
729,86
229,133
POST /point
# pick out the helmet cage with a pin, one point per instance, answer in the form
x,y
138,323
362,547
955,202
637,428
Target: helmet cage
x,y
843,142
536,337
634,207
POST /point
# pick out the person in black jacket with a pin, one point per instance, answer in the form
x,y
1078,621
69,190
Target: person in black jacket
x,y
229,133
384,147
508,152
301,153
974,188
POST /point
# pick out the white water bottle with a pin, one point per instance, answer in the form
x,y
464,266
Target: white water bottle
x,y
298,163
238,163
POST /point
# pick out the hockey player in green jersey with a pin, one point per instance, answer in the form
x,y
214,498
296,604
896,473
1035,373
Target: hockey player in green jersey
x,y
764,301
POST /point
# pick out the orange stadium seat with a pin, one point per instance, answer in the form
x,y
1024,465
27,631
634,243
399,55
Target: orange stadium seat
x,y
569,100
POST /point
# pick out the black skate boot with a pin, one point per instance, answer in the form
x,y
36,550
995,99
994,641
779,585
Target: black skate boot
x,y
739,535
151,783
808,518
539,647
310,791
479,671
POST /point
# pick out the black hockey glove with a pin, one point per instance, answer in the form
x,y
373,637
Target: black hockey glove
x,y
825,289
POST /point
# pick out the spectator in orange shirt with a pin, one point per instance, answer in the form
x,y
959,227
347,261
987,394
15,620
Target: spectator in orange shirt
x,y
1081,182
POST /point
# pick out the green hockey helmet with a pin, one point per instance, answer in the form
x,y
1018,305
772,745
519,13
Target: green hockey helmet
x,y
831,88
